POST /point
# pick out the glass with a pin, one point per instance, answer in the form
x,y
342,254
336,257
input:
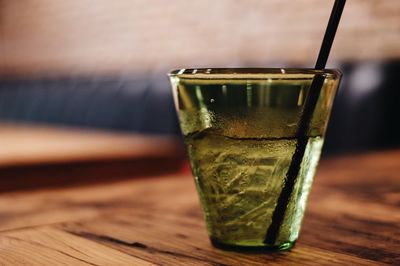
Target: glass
x,y
239,127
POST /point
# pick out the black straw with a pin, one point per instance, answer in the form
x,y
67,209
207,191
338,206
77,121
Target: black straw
x,y
301,134
330,33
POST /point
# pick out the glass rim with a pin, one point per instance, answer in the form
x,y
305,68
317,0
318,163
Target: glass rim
x,y
241,73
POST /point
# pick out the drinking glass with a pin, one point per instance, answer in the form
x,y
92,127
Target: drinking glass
x,y
239,127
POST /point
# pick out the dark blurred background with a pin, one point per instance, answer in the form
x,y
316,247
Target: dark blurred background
x,y
102,64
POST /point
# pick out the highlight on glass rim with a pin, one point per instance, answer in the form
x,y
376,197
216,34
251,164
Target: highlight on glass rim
x,y
258,132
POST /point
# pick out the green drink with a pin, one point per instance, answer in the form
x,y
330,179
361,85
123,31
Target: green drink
x,y
239,127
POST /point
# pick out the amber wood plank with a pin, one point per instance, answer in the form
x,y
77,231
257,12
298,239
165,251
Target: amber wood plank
x,y
184,240
42,156
47,246
27,209
32,144
352,219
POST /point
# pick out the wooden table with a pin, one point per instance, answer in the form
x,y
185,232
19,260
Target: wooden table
x,y
24,144
38,155
353,218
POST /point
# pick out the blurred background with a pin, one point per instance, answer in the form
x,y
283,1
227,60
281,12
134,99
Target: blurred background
x,y
89,77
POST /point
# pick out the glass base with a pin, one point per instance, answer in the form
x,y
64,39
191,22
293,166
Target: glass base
x,y
256,249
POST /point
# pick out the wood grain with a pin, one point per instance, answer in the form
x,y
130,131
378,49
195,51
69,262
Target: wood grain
x,y
55,247
353,218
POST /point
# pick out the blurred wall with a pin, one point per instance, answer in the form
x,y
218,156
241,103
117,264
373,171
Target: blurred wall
x,y
102,63
106,37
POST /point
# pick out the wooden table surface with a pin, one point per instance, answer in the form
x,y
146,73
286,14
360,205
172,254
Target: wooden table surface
x,y
37,155
24,144
353,218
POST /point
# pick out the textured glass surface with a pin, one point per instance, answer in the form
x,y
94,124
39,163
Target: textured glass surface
x,y
239,127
